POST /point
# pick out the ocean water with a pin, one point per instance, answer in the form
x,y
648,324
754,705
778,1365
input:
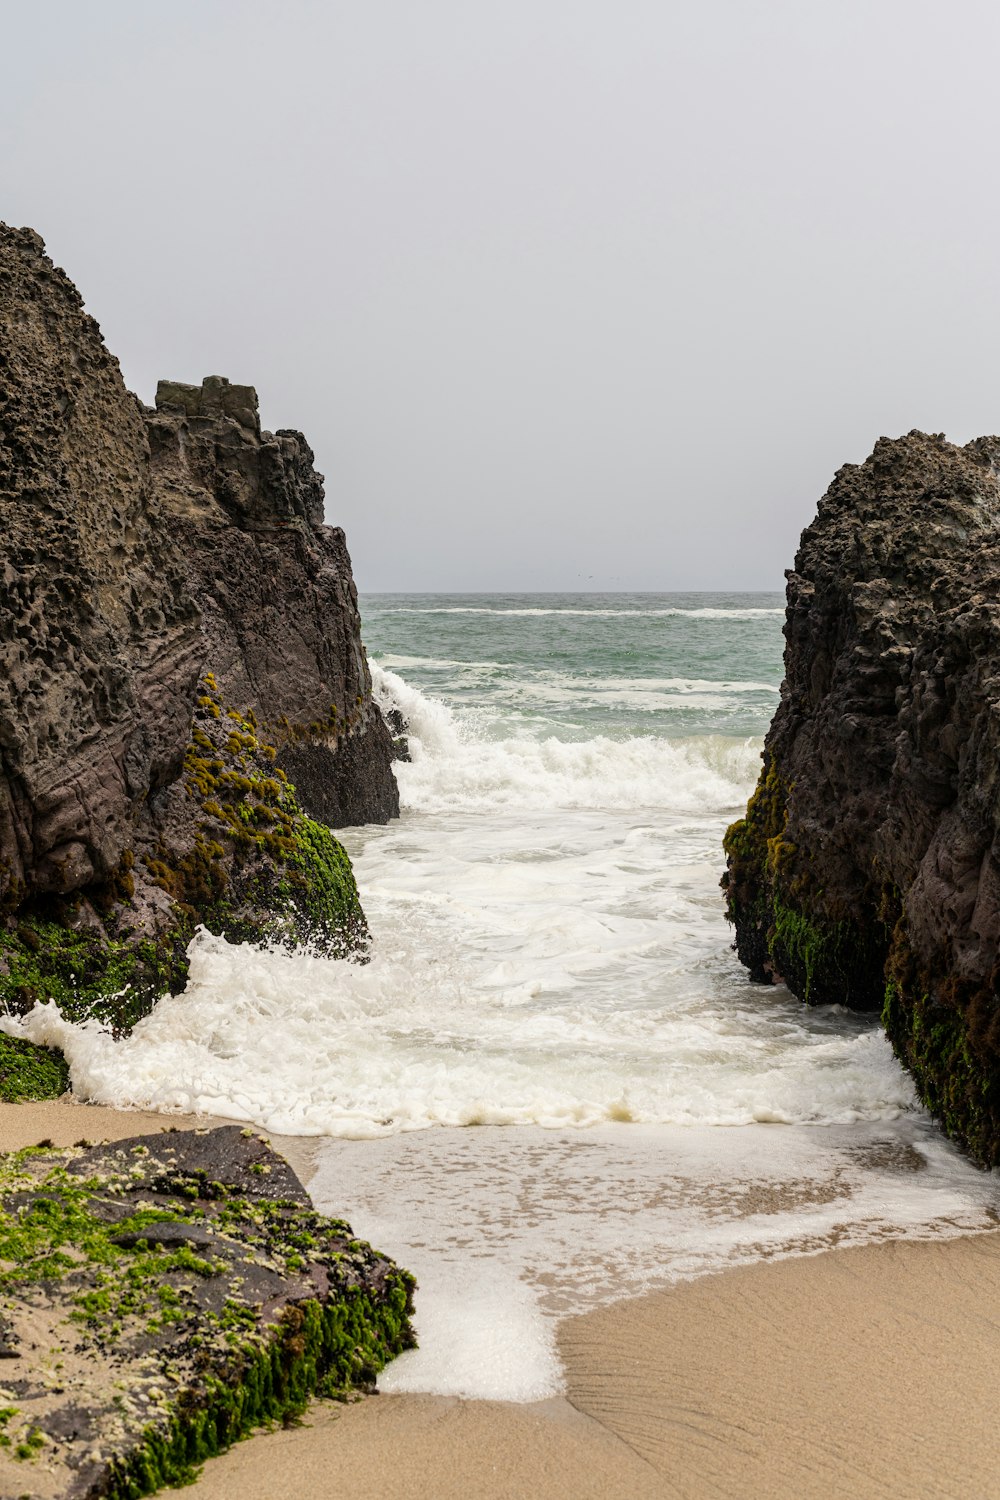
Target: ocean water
x,y
550,960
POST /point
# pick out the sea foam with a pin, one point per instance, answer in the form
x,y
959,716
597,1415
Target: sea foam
x,y
548,949
508,1231
460,762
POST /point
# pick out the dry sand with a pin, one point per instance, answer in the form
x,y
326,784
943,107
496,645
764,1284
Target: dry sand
x,y
858,1374
65,1121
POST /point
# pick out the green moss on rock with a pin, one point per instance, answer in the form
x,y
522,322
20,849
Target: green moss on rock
x,y
30,1072
827,962
315,1351
160,1268
290,880
784,930
87,972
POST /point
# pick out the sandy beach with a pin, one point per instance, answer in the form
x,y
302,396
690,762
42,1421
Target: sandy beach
x,y
860,1372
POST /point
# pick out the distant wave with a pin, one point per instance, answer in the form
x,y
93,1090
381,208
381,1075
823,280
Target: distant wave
x,y
393,660
634,614
530,683
455,767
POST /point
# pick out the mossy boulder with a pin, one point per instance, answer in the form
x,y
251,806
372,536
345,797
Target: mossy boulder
x,y
162,1296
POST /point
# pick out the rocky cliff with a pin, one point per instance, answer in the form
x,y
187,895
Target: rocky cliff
x,y
867,868
185,704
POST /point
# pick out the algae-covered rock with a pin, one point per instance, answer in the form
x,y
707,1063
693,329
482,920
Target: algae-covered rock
x,y
160,1297
185,702
30,1072
867,868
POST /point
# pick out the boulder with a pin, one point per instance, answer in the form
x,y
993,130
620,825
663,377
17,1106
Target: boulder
x,y
866,871
162,1296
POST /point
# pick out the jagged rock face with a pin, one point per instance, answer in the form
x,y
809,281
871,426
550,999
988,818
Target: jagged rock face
x,y
179,643
100,646
275,586
867,869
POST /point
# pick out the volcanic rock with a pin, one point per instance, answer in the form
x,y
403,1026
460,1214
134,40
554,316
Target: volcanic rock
x,y
185,703
867,869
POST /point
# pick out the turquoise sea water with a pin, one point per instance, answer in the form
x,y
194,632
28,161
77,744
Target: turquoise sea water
x,y
576,665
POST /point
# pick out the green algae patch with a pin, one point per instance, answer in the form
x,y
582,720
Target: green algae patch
x,y
315,1350
945,1034
30,1072
826,961
321,876
236,855
261,870
88,972
161,1297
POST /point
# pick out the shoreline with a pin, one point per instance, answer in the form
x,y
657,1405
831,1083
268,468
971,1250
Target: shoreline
x,y
861,1371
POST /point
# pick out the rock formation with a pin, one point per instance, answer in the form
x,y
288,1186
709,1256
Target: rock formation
x,y
185,704
867,868
160,1297
274,584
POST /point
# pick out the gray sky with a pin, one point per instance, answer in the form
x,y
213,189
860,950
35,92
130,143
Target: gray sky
x,y
564,293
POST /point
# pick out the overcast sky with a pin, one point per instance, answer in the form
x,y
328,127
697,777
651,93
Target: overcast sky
x,y
564,293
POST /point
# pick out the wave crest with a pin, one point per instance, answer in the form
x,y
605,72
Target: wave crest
x,y
458,764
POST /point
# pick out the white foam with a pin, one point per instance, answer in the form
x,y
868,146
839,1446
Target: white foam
x,y
548,948
457,765
526,970
507,1231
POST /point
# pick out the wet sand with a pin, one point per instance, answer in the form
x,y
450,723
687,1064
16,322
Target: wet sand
x,y
859,1374
864,1372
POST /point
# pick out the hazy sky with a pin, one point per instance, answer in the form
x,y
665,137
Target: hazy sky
x,y
564,293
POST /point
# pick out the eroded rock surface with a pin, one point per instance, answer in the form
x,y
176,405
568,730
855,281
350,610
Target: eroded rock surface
x,y
274,584
185,703
867,869
161,1296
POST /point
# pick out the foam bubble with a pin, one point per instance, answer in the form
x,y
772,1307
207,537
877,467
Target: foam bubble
x,y
507,1231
